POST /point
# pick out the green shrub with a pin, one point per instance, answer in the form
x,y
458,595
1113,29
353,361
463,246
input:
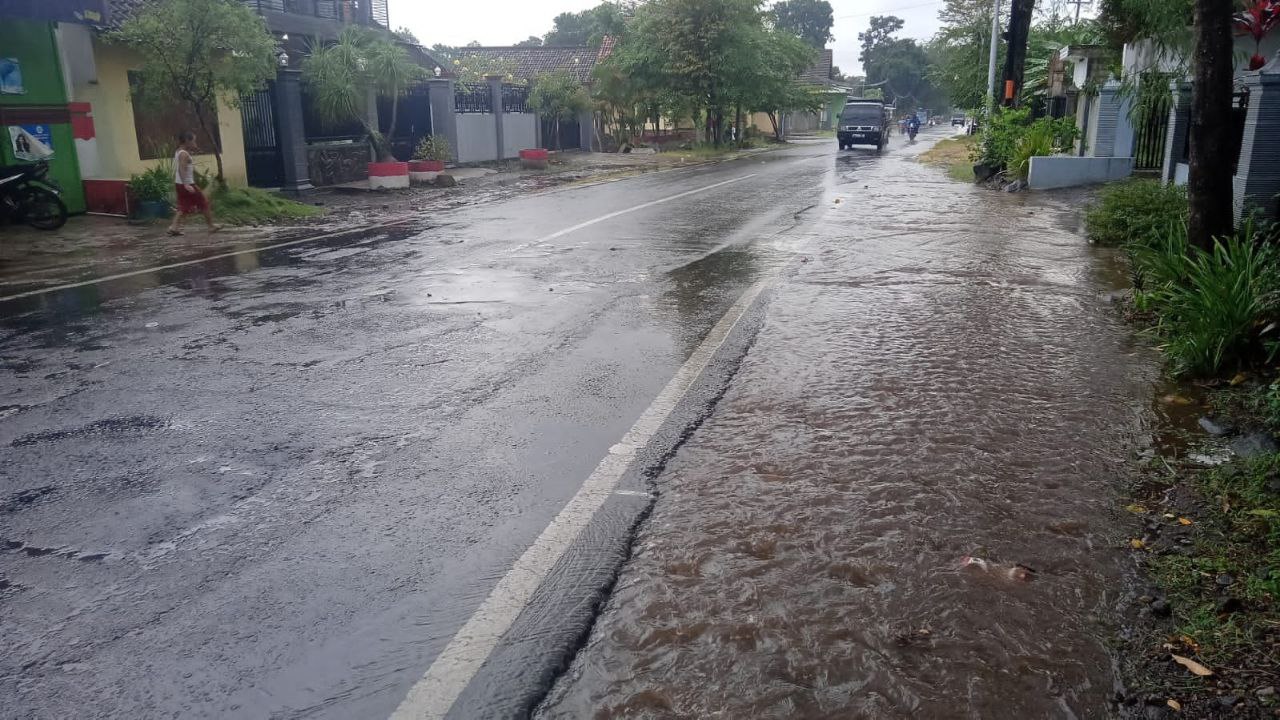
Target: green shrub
x,y
251,206
1215,308
153,184
433,147
1000,136
1136,212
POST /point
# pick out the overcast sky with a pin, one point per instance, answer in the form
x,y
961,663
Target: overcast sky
x,y
506,22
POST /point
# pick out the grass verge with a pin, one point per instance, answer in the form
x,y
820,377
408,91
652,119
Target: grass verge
x,y
251,206
953,154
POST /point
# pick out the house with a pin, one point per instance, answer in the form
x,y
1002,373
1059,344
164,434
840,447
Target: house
x,y
524,64
819,77
38,120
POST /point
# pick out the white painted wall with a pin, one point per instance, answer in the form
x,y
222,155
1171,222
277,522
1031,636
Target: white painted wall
x,y
1062,171
519,132
477,138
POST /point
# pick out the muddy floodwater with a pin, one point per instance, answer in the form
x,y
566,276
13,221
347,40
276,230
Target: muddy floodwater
x,y
941,374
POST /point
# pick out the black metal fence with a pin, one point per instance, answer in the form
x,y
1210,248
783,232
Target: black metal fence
x,y
1239,118
515,99
472,98
342,10
1151,128
261,138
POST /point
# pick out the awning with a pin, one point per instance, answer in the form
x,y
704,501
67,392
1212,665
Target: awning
x,y
88,12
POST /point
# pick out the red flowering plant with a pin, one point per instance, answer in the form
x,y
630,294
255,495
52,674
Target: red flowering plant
x,y
1258,19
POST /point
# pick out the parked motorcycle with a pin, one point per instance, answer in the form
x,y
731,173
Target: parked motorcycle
x,y
28,195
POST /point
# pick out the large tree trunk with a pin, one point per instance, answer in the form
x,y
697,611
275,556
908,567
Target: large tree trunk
x,y
395,110
777,129
1209,182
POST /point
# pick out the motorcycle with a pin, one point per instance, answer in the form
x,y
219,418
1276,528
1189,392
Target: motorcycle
x,y
911,132
28,195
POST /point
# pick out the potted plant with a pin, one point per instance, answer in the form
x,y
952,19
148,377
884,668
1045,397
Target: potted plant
x,y
339,76
429,158
149,192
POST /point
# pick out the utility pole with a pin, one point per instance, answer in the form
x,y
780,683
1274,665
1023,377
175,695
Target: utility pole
x,y
1020,13
991,62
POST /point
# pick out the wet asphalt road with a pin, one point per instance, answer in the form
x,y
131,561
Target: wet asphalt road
x,y
276,484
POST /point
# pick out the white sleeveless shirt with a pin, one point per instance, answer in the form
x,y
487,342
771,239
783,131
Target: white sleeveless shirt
x,y
179,176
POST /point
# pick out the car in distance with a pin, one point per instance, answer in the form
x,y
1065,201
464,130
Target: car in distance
x,y
862,122
958,119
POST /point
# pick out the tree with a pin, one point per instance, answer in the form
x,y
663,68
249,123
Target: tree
x,y
588,27
959,52
404,34
882,29
1209,184
197,52
558,96
340,75
531,41
810,20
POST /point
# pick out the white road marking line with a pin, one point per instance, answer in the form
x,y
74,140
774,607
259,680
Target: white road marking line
x,y
184,263
612,215
432,697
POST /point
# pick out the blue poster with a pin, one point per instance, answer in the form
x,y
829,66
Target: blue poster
x,y
11,77
31,143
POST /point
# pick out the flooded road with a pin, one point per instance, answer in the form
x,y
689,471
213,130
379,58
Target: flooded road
x,y
940,375
290,481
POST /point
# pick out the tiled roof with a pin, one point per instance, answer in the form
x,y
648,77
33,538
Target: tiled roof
x,y
121,10
533,61
820,73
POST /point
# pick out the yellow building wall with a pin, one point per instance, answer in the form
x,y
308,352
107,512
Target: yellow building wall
x,y
118,155
761,122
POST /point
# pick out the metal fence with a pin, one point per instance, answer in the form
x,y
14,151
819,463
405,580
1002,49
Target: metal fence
x,y
343,10
472,98
1151,121
515,99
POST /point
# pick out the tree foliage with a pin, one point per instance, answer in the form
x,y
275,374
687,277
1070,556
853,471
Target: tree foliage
x,y
706,60
340,74
589,27
197,52
810,20
900,66
558,96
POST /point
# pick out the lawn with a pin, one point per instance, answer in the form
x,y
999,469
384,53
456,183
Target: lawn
x,y
953,154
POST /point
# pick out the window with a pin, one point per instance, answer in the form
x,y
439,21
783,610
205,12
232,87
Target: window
x,y
157,123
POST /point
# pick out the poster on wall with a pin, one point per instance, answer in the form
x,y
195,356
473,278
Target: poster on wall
x,y
11,77
31,143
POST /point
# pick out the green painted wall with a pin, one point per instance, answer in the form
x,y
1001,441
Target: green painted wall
x,y
33,44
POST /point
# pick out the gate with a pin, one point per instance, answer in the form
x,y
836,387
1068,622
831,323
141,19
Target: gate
x,y
570,134
1152,120
413,120
262,157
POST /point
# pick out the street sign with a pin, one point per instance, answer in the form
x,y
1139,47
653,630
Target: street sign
x,y
88,12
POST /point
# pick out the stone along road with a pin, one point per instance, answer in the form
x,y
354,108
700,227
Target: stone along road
x,y
395,473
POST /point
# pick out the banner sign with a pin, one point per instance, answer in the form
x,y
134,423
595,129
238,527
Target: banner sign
x,y
88,12
31,143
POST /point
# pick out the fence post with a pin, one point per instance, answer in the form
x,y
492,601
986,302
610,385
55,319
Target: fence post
x,y
290,132
443,120
1257,180
1179,123
495,94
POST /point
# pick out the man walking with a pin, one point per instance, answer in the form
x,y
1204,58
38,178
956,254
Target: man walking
x,y
190,199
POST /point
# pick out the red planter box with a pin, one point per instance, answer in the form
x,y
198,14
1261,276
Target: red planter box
x,y
384,175
426,166
537,154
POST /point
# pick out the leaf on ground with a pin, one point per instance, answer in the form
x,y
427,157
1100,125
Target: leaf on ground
x,y
1136,509
1176,400
1239,378
1137,544
1263,513
1174,704
1195,667
1185,521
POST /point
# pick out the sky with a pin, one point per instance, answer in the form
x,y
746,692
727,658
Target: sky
x,y
506,22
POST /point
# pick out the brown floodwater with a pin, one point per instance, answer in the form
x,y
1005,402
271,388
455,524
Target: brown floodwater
x,y
940,374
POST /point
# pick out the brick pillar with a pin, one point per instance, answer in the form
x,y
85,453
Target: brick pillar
x,y
1257,181
495,93
1179,123
443,120
291,133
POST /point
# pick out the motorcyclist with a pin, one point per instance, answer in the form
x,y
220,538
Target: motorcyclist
x,y
913,125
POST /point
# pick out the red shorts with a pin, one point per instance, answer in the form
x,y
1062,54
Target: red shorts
x,y
191,201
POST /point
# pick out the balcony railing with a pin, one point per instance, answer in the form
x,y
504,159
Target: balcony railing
x,y
344,11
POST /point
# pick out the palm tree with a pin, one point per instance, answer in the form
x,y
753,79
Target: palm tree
x,y
340,74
